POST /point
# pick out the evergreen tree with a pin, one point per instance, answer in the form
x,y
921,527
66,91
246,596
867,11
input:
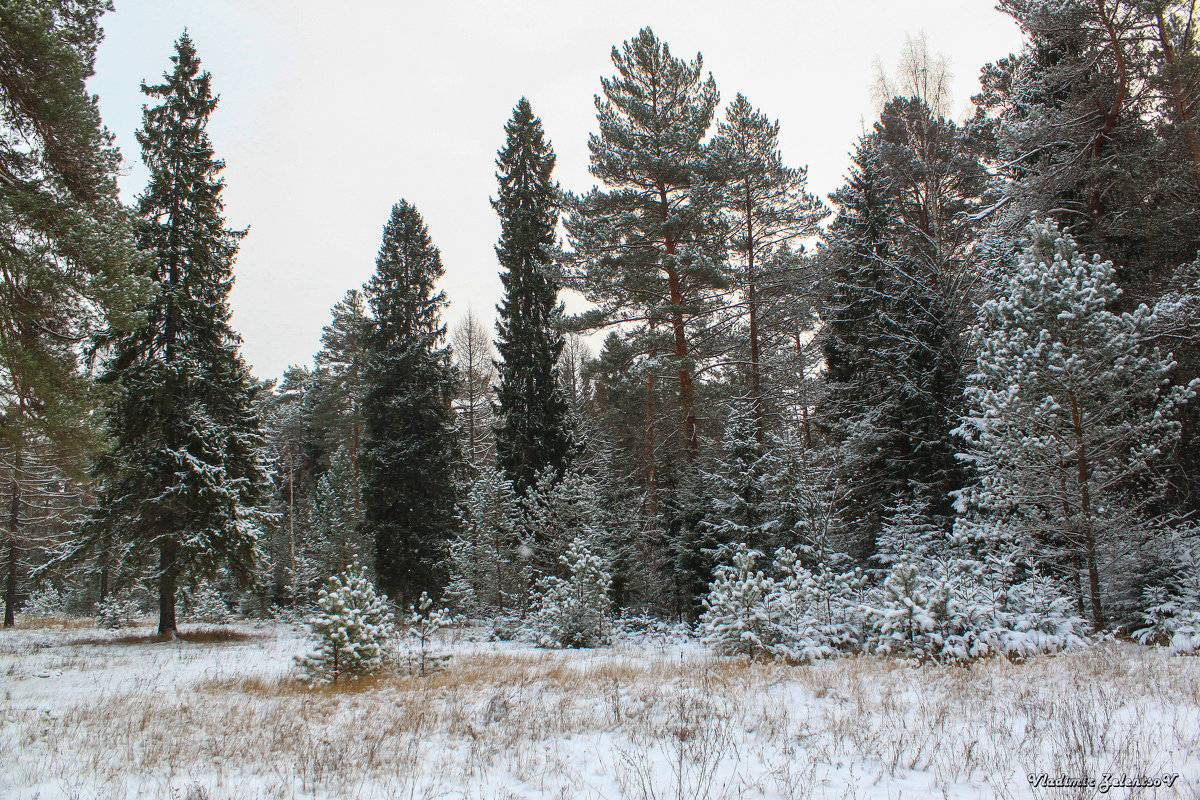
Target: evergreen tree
x,y
647,248
410,449
1097,127
68,254
337,539
573,611
903,277
352,628
559,509
335,407
733,506
286,451
533,433
183,477
490,572
1069,408
767,207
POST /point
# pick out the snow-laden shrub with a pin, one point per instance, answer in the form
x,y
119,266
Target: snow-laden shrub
x,y
647,630
1172,612
1039,618
958,609
739,617
1169,620
951,609
798,613
46,601
422,622
118,610
204,604
908,618
574,612
352,626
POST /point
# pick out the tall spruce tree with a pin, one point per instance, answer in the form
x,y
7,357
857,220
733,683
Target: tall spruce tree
x,y
66,255
410,451
183,477
337,387
533,434
904,278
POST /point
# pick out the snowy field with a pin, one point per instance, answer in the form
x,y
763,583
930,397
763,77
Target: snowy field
x,y
95,714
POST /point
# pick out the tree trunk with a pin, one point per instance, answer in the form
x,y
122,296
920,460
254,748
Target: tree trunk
x,y
651,473
752,313
168,579
292,519
1110,115
14,550
105,575
1085,513
10,584
1183,114
1076,570
675,293
805,424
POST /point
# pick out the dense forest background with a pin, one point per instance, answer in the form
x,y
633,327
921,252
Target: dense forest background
x,y
971,370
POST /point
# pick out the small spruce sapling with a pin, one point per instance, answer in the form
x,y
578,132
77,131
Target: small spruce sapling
x,y
352,626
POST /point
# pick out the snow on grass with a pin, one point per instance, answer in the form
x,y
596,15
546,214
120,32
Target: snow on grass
x,y
98,714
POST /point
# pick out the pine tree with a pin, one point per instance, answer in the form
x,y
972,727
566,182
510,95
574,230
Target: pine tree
x,y
410,450
1069,407
286,437
734,508
533,433
647,247
1097,126
768,208
353,628
489,571
558,510
68,276
337,537
573,611
183,478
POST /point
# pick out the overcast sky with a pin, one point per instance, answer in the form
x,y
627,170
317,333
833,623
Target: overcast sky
x,y
332,111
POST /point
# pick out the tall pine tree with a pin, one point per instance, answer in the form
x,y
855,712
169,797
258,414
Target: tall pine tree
x,y
410,448
767,207
534,432
183,478
66,255
647,250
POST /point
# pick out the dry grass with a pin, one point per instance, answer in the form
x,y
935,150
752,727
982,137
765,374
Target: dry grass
x,y
512,723
26,622
196,635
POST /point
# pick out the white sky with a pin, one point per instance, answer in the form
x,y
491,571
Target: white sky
x,y
332,111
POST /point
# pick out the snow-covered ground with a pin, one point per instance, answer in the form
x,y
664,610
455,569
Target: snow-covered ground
x,y
92,714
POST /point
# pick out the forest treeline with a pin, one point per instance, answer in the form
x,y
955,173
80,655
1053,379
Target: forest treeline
x,y
975,365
